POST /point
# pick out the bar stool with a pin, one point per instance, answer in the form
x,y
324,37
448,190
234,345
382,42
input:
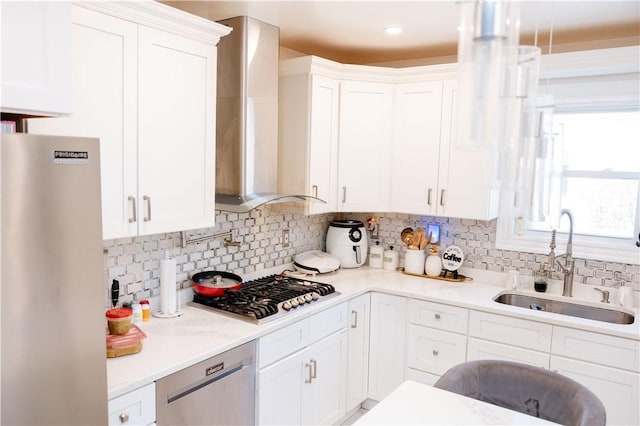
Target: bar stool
x,y
527,389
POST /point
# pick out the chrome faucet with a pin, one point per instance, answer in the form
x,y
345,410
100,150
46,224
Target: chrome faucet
x,y
569,263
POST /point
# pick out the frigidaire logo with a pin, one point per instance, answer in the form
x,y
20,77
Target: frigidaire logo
x,y
76,155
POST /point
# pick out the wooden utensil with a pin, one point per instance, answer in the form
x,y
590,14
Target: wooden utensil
x,y
406,235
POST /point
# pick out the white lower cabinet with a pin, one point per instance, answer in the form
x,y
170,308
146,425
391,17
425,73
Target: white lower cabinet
x,y
434,351
387,344
308,385
436,339
481,349
608,365
512,331
137,407
618,390
358,351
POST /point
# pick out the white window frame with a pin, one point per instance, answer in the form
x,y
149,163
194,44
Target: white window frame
x,y
514,236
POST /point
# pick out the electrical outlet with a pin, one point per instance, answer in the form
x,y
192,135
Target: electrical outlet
x,y
285,238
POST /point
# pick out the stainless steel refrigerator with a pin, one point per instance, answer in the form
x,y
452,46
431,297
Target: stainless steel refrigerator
x,y
53,291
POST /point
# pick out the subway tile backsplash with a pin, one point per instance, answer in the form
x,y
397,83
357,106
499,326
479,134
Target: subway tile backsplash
x,y
135,262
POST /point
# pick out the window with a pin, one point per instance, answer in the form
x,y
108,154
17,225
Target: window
x,y
596,126
600,170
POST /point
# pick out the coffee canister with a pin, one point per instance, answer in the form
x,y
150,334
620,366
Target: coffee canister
x,y
376,254
390,259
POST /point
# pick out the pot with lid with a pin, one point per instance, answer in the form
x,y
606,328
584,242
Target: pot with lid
x,y
347,240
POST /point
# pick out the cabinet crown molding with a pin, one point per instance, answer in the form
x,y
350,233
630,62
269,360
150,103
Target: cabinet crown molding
x,y
161,17
316,65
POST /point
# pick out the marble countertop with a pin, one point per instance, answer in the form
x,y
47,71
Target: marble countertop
x,y
175,343
406,406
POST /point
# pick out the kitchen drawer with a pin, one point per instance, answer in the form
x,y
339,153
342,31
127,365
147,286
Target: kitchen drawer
x,y
327,322
421,376
509,330
283,342
434,351
436,315
596,348
481,349
137,407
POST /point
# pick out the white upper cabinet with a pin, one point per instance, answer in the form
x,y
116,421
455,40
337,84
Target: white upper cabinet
x,y
149,96
308,139
466,189
416,147
176,132
36,57
366,115
373,139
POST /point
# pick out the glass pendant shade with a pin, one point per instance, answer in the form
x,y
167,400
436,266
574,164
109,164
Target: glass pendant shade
x,y
487,48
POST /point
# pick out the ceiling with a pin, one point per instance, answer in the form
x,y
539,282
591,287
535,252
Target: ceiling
x,y
353,31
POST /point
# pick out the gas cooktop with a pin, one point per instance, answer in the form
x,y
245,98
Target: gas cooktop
x,y
266,299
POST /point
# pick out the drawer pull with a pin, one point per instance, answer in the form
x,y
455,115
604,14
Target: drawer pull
x,y
435,352
310,377
437,316
124,417
355,319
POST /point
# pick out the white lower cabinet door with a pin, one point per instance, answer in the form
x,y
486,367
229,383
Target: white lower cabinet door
x,y
324,395
481,349
280,391
387,344
358,351
434,351
618,390
308,387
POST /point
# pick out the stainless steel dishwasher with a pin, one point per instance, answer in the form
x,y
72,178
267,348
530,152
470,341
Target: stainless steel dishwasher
x,y
218,391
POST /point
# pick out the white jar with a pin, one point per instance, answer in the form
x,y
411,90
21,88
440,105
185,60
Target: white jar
x,y
375,256
414,262
390,259
137,312
433,265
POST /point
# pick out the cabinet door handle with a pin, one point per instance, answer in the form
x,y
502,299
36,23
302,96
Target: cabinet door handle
x,y
314,366
435,352
124,417
429,196
146,198
442,197
314,189
134,209
437,316
344,194
310,377
354,324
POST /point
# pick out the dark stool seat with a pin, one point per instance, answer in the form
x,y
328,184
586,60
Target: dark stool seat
x,y
527,389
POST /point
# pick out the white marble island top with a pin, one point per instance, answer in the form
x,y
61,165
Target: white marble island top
x,y
414,403
175,343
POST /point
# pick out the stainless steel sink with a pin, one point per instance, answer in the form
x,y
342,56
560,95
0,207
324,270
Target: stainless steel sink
x,y
565,308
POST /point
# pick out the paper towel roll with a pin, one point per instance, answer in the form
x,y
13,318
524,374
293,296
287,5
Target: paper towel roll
x,y
168,286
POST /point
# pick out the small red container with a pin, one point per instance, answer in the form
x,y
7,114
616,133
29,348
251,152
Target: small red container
x,y
119,320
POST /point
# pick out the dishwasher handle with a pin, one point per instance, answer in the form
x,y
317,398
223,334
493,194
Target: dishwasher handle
x,y
212,375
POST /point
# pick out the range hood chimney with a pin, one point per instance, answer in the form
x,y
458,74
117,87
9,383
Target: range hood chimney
x,y
247,117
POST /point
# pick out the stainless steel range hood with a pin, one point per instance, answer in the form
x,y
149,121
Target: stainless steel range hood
x,y
247,117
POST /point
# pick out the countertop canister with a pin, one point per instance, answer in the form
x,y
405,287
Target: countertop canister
x,y
390,259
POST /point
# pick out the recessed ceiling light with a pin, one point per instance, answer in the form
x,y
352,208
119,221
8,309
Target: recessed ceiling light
x,y
393,30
